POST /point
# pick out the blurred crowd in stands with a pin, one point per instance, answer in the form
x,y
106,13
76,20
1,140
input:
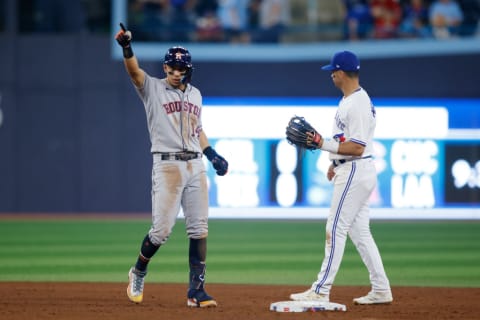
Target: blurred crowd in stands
x,y
255,21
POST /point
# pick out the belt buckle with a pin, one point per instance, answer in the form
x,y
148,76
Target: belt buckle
x,y
182,156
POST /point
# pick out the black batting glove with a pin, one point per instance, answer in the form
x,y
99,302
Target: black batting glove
x,y
124,37
219,163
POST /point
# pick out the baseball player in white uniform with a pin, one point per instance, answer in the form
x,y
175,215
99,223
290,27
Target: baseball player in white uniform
x,y
354,177
173,108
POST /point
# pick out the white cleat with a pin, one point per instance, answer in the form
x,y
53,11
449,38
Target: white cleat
x,y
309,295
135,285
375,298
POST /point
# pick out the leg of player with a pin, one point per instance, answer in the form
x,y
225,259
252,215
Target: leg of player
x,y
363,240
195,208
137,274
163,220
197,296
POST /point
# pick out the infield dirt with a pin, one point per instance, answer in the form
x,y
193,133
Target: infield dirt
x,y
34,300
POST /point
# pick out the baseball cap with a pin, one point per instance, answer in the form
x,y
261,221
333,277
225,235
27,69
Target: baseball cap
x,y
343,60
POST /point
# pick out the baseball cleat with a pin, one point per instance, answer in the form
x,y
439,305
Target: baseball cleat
x,y
135,285
375,298
309,295
200,299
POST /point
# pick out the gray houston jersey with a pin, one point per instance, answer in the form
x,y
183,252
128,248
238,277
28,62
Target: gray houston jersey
x,y
173,117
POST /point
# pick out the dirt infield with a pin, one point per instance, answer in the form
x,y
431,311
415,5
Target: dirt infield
x,y
167,301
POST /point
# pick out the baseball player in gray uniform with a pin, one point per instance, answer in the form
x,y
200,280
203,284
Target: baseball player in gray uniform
x,y
354,178
173,108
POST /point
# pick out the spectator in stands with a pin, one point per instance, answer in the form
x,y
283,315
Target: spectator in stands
x,y
274,18
253,15
387,16
329,20
233,18
358,20
203,7
471,15
208,26
415,20
182,23
148,19
445,17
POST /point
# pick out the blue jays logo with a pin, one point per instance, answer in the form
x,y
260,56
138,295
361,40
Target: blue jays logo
x,y
340,137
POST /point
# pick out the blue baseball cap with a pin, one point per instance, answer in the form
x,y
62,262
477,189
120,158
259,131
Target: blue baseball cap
x,y
343,60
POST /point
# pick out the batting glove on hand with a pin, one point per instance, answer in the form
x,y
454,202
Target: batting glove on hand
x,y
123,37
219,163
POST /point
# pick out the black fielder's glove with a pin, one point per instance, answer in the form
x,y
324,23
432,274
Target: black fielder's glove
x,y
219,163
301,134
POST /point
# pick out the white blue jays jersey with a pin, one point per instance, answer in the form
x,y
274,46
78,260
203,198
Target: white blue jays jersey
x,y
173,116
355,121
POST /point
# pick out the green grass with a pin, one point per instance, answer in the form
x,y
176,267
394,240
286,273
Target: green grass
x,y
419,253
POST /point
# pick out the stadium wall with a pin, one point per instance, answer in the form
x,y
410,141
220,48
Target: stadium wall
x,y
72,130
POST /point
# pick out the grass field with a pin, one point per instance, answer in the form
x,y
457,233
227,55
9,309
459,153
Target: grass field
x,y
417,253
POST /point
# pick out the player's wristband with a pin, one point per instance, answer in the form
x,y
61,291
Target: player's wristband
x,y
210,153
127,52
330,145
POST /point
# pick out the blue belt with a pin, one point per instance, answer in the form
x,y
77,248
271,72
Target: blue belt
x,y
183,156
338,162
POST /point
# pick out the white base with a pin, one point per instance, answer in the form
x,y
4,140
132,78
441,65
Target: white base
x,y
306,306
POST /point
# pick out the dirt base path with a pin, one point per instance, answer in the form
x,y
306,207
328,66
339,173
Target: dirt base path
x,y
105,301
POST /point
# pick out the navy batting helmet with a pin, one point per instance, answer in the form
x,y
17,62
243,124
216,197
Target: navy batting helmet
x,y
179,57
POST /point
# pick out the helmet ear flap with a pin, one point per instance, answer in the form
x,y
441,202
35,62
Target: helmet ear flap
x,y
188,75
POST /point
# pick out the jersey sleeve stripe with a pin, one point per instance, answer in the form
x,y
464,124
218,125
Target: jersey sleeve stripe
x,y
359,142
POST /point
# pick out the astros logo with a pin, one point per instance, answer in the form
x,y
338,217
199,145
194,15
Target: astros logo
x,y
178,56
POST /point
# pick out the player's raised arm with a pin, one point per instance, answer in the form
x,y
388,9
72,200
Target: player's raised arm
x,y
124,38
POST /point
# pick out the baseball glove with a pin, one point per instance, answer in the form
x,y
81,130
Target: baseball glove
x,y
301,134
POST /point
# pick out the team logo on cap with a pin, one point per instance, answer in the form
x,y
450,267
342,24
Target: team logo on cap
x,y
178,55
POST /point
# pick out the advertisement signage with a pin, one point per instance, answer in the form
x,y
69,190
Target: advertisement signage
x,y
419,164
